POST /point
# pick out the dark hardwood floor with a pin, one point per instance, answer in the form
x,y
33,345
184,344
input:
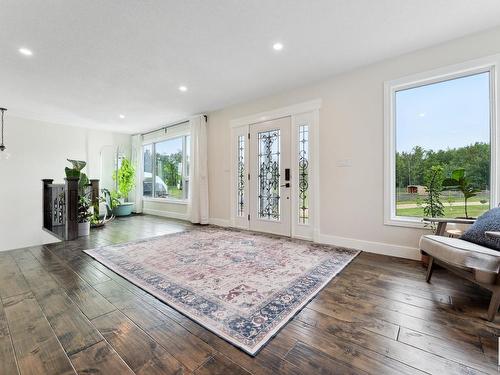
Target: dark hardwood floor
x,y
62,312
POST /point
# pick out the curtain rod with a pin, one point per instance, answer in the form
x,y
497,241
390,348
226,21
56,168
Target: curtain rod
x,y
164,128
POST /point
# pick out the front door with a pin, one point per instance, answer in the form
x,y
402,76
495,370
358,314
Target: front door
x,y
270,177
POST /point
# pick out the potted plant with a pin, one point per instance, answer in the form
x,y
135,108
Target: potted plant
x,y
125,180
76,171
85,211
459,181
84,215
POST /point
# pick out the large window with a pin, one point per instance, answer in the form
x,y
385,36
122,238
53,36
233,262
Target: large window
x,y
167,164
442,125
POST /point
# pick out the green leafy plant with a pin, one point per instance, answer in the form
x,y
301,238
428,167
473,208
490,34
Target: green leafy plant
x,y
84,203
433,207
115,199
78,165
418,201
459,181
125,178
84,211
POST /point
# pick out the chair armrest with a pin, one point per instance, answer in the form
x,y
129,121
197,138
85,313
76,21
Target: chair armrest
x,y
494,235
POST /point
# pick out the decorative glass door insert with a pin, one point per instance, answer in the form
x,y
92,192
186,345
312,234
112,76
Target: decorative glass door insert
x,y
270,182
269,174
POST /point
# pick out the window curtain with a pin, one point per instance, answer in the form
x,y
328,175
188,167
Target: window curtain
x,y
137,163
198,172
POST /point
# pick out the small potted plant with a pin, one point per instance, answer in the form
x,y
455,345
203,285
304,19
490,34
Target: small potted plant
x,y
85,210
84,215
125,180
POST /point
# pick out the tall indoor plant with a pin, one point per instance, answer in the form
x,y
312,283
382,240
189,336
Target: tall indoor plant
x,y
84,205
125,183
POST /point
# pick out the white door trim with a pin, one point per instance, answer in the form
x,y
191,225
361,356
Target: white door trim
x,y
309,110
295,109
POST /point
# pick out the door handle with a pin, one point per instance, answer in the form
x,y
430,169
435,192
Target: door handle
x,y
285,185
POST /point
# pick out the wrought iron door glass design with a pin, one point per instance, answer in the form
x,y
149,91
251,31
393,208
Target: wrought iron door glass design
x,y
269,174
303,174
241,175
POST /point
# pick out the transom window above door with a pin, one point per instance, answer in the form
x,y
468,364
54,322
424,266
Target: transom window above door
x,y
437,128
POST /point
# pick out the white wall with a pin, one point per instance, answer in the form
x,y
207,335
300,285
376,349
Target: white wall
x,y
166,209
39,150
351,127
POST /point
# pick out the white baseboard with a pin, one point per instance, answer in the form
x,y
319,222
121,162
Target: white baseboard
x,y
219,222
173,215
371,246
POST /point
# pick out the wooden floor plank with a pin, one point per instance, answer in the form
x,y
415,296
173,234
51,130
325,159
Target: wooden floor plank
x,y
377,316
37,349
442,315
347,352
8,363
313,361
71,326
78,264
445,329
187,348
99,359
220,365
141,353
341,312
90,302
466,354
426,360
11,279
265,363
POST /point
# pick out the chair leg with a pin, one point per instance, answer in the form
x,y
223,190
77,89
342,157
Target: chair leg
x,y
494,304
429,269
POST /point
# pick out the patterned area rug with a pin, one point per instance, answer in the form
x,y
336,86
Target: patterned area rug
x,y
240,285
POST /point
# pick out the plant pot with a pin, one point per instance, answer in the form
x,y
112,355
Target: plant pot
x,y
123,209
84,229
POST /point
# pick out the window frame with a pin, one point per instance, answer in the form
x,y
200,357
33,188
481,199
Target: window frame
x,y
185,176
489,64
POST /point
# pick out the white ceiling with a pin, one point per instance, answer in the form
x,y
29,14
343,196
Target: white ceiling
x,y
96,59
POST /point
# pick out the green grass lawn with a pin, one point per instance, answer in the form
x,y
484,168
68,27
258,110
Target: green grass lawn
x,y
173,192
444,199
455,211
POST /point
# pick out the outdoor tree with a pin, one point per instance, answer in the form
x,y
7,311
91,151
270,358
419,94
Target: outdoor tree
x,y
433,207
461,182
474,159
171,168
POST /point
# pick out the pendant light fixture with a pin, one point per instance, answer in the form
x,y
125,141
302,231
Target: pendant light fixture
x,y
3,153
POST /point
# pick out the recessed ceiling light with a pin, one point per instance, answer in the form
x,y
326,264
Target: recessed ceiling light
x,y
183,88
25,51
122,116
278,46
